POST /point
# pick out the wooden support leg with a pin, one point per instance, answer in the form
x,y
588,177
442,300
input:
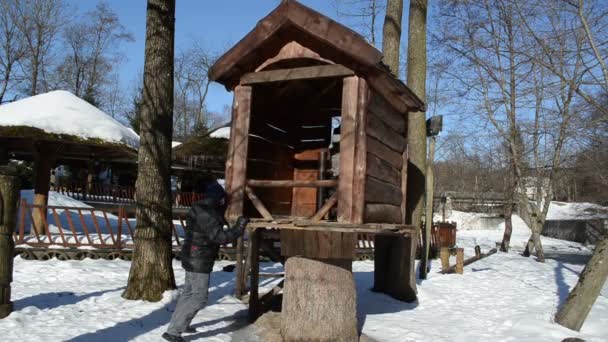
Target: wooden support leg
x,y
394,271
239,286
254,309
44,160
9,197
460,260
445,258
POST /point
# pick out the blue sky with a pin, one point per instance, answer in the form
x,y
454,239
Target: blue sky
x,y
217,24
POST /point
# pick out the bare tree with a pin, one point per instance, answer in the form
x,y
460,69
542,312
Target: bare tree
x,y
191,89
39,22
93,44
517,97
11,48
151,270
366,15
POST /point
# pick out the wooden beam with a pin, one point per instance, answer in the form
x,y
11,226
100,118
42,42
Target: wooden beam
x,y
305,73
348,139
328,183
254,310
326,207
258,204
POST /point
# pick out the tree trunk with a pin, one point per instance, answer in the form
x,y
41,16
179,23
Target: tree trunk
x,y
44,160
416,129
151,271
319,301
580,301
506,238
9,197
391,35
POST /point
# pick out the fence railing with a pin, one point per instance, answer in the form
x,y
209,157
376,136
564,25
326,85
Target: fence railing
x,y
97,192
91,228
77,227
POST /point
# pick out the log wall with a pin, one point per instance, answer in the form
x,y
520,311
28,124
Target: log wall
x,y
386,143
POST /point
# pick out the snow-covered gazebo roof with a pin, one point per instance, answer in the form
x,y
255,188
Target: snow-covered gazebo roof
x,y
60,116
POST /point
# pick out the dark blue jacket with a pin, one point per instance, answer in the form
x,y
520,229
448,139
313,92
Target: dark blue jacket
x,y
206,229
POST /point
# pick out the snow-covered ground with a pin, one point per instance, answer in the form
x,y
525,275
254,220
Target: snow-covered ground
x,y
504,297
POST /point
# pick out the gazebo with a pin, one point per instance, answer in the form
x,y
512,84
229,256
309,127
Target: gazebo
x,y
299,77
60,128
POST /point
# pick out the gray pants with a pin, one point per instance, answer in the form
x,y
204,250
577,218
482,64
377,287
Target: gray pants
x,y
192,299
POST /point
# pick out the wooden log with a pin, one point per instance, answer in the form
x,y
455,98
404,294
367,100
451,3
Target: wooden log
x,y
385,111
379,149
325,208
385,133
304,73
377,191
444,254
319,301
382,213
316,243
460,260
452,269
9,198
382,170
258,204
327,183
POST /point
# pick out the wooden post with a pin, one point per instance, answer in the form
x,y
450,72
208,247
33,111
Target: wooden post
x,y
444,254
254,238
424,258
44,160
236,170
478,251
89,186
460,260
9,198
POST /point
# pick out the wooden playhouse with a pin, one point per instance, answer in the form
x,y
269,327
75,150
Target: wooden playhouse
x,y
318,146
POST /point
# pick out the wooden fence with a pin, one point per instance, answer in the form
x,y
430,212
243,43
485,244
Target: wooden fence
x,y
97,192
90,229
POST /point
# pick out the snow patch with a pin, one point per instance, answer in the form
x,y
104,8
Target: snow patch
x,y
61,112
223,132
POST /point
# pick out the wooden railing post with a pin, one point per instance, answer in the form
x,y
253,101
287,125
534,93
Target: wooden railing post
x,y
9,198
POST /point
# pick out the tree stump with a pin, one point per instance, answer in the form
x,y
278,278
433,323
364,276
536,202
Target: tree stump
x,y
319,300
9,197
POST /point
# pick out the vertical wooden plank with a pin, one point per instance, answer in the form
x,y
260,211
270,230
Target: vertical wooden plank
x,y
239,141
348,138
254,309
360,164
230,153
